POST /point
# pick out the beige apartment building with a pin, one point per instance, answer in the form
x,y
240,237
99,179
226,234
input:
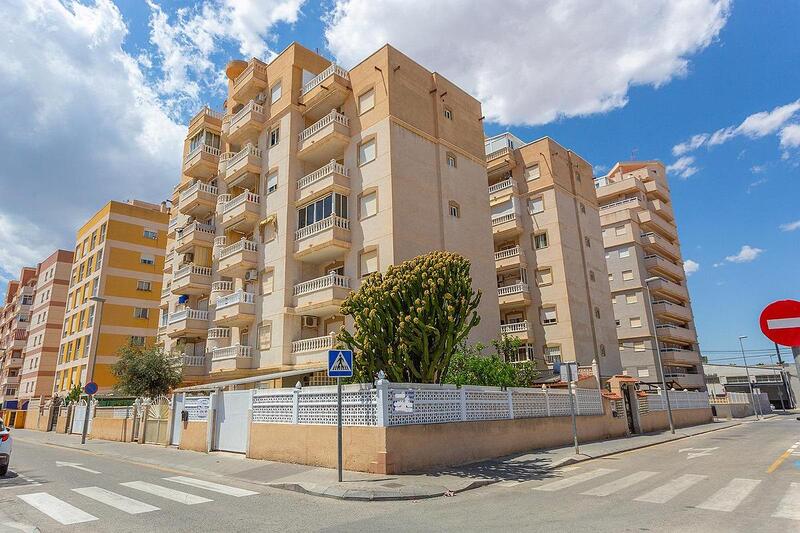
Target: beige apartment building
x,y
14,323
44,332
548,253
114,291
313,177
645,267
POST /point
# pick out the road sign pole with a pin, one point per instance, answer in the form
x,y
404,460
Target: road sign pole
x,y
572,408
86,419
339,425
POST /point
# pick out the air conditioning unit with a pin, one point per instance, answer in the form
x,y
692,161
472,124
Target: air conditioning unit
x,y
310,321
251,275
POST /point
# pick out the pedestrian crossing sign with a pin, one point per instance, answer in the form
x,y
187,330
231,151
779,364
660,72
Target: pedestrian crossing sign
x,y
340,363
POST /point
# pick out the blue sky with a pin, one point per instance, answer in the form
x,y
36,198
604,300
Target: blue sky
x,y
608,79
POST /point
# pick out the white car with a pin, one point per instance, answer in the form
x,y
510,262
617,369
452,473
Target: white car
x,y
5,448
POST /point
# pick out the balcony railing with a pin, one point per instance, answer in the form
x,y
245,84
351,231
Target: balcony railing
x,y
194,360
231,352
249,149
499,186
502,219
187,314
221,286
238,297
173,223
620,202
192,269
497,153
219,333
512,289
330,168
207,111
316,344
318,284
251,106
322,76
165,291
333,116
322,225
242,246
505,254
253,66
246,196
198,227
514,327
197,186
201,148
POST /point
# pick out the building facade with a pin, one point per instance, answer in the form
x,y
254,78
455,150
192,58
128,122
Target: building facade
x,y
114,291
645,267
772,380
47,319
548,253
312,178
14,323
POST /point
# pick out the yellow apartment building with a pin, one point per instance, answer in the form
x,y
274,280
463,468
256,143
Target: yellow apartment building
x,y
114,291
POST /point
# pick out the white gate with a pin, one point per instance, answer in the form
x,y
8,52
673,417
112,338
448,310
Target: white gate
x,y
78,415
177,423
231,429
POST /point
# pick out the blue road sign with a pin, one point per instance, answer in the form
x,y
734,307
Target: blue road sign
x,y
90,388
340,363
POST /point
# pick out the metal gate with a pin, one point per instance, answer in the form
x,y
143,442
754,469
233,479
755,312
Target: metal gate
x,y
78,415
177,423
157,418
231,425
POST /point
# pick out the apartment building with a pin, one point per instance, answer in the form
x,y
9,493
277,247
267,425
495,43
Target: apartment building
x,y
645,271
44,333
548,253
14,324
114,291
312,178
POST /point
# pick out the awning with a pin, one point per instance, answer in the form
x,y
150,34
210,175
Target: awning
x,y
252,379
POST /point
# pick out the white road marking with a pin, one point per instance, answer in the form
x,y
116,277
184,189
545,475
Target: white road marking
x,y
574,480
619,484
731,495
208,485
783,323
118,501
669,490
697,452
58,510
164,492
789,507
77,466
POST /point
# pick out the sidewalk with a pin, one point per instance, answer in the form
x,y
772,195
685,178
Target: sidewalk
x,y
359,485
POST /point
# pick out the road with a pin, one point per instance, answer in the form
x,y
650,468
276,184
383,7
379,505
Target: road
x,y
746,478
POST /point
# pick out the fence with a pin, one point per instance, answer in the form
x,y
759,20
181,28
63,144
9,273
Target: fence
x,y
677,400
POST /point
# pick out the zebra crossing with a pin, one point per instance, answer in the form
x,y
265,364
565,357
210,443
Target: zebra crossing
x,y
69,512
643,487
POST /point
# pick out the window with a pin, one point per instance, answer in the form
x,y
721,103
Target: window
x,y
150,234
638,346
368,205
597,312
451,160
147,259
610,277
552,354
142,285
275,93
448,113
587,242
267,282
275,136
540,240
532,172
618,324
366,152
141,312
264,336
455,210
544,276
548,315
644,372
625,252
137,340
620,230
631,298
535,205
627,275
636,322
272,182
321,209
366,101
368,262
591,275
103,232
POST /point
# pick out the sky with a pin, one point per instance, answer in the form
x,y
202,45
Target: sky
x,y
95,95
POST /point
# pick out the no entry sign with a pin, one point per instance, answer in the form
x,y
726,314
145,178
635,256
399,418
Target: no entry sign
x,y
780,322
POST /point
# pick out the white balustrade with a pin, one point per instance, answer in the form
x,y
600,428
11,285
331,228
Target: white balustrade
x,y
505,254
512,289
323,172
318,284
196,227
315,344
187,314
190,269
196,187
497,153
231,352
201,148
194,360
502,219
248,150
242,246
330,118
514,327
505,184
235,298
250,107
246,196
620,202
207,111
322,225
322,76
222,286
254,66
219,333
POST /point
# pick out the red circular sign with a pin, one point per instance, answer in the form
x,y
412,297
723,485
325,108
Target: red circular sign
x,y
780,322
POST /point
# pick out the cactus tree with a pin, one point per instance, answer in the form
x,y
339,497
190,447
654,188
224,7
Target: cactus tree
x,y
408,321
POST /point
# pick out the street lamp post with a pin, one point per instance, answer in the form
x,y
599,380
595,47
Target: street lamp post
x,y
658,350
747,371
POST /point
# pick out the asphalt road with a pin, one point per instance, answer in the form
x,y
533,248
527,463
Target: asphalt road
x,y
741,479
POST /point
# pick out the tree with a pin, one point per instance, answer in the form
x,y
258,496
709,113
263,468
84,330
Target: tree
x,y
146,371
469,366
409,320
74,394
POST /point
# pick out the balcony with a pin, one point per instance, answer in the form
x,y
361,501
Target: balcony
x,y
231,358
510,257
686,380
328,90
680,357
168,260
674,333
194,365
198,200
195,234
520,330
205,118
172,225
620,205
663,209
243,168
250,82
502,191
235,309
657,189
663,287
333,177
324,140
187,323
501,160
655,243
241,213
506,226
247,123
650,221
237,258
312,350
201,162
323,240
660,266
191,279
10,380
612,190
514,295
321,296
671,311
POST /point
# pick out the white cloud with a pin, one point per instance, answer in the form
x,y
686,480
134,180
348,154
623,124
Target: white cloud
x,y
531,62
690,267
756,183
692,144
790,226
758,169
746,255
81,126
790,136
683,167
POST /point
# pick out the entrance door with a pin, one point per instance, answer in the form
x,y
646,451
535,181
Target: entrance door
x,y
231,431
626,395
177,423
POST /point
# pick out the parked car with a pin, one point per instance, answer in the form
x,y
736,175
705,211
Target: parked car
x,y
5,448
